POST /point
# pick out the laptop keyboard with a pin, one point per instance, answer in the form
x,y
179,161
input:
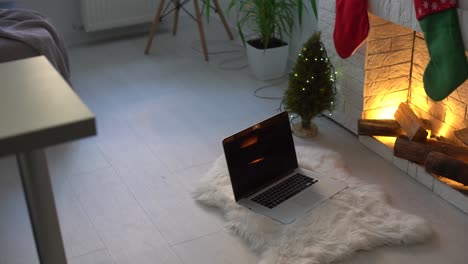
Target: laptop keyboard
x,y
284,190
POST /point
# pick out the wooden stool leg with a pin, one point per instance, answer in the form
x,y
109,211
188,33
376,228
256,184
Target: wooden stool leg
x,y
176,17
223,19
200,28
154,27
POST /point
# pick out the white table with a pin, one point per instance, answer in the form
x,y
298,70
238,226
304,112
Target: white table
x,y
38,109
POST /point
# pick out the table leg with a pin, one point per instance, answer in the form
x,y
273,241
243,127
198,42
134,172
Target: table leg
x,y
39,196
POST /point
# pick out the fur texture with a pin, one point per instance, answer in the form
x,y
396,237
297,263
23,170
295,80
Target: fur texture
x,y
358,218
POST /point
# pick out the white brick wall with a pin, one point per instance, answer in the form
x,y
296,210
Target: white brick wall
x,y
447,115
351,73
402,12
385,82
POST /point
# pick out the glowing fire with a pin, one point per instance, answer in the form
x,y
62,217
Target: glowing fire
x,y
381,113
389,141
444,131
393,76
454,184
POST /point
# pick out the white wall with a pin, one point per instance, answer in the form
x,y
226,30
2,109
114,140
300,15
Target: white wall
x,y
66,17
63,13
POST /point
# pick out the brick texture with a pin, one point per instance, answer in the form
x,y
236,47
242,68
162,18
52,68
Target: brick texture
x,y
388,69
381,74
447,115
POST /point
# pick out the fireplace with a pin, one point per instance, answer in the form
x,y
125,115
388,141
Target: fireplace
x,y
386,71
396,57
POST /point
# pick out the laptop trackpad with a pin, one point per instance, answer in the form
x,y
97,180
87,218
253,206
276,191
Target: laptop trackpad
x,y
308,197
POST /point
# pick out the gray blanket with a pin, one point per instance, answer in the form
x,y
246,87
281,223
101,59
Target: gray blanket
x,y
34,30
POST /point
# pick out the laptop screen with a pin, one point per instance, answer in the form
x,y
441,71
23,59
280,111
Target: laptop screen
x,y
260,155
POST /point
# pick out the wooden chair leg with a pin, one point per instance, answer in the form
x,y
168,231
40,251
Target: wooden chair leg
x,y
200,29
154,27
176,17
223,19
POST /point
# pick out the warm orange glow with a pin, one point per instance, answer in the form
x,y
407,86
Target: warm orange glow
x,y
388,112
444,131
389,141
256,161
249,142
381,113
450,123
454,184
429,133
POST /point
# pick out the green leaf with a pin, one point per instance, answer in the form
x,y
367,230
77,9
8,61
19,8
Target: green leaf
x,y
313,3
299,11
241,34
207,8
269,18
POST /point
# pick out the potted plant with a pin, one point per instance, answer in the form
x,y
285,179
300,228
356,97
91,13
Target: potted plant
x,y
271,22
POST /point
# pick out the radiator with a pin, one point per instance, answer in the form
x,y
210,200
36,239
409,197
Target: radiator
x,y
105,14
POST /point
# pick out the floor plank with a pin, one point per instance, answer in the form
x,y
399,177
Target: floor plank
x,y
16,238
96,257
120,221
214,249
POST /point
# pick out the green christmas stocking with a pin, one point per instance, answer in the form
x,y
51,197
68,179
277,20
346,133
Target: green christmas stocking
x,y
448,66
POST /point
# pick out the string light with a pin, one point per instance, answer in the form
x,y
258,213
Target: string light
x,y
326,68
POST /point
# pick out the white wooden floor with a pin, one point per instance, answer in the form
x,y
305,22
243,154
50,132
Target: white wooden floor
x,y
123,197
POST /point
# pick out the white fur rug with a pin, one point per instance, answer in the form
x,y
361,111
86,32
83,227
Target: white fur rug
x,y
358,218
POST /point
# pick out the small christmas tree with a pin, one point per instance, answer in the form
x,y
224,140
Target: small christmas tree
x,y
311,83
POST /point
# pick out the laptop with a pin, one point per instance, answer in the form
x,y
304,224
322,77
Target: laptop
x,y
265,175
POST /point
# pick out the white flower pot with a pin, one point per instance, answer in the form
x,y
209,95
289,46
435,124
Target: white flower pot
x,y
267,64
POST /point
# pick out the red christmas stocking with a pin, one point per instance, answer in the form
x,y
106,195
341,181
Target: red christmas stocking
x,y
351,26
448,66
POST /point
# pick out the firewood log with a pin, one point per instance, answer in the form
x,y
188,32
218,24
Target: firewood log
x,y
379,127
410,123
384,127
447,166
418,151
